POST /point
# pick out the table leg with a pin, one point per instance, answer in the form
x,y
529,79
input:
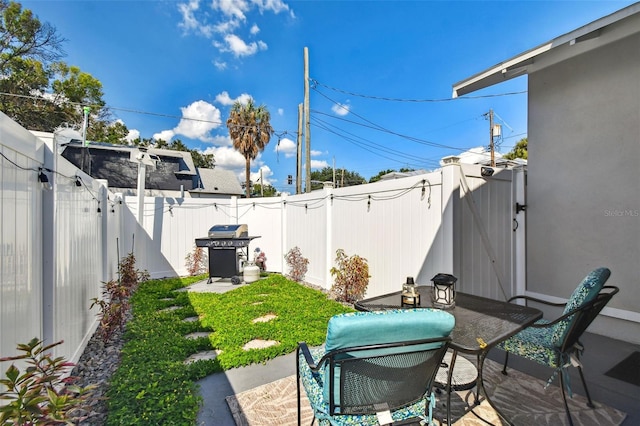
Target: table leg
x,y
481,388
452,363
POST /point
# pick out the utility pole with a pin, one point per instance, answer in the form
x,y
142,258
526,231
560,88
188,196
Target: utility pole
x,y
307,125
491,145
299,154
261,184
334,172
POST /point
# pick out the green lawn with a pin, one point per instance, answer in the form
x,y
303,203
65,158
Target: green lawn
x,y
154,386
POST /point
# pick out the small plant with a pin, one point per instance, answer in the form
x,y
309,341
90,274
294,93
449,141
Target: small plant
x,y
197,262
260,259
114,304
40,395
351,277
297,264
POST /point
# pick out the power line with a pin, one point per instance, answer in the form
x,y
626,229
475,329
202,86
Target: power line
x,y
381,128
316,83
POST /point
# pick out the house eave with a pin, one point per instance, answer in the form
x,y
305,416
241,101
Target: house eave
x,y
530,60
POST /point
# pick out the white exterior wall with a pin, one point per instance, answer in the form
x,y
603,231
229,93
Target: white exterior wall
x,y
20,232
583,197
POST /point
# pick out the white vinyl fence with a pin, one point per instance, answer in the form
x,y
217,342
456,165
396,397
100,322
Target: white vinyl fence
x,y
60,245
414,226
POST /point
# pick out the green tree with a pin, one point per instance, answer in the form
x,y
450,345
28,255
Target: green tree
x,y
267,191
112,132
343,177
518,151
23,36
380,174
39,91
250,130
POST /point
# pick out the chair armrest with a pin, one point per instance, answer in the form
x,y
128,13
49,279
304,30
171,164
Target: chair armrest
x,y
533,299
611,291
302,347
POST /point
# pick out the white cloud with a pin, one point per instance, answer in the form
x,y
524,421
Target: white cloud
x,y
227,158
276,6
280,111
266,174
315,153
288,147
232,8
318,164
223,98
239,47
226,21
221,65
165,135
198,119
132,135
189,20
220,140
341,109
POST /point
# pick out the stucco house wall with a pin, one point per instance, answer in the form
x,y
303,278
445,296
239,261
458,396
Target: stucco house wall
x,y
583,192
583,182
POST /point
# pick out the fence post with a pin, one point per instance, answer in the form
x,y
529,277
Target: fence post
x,y
519,224
327,279
450,214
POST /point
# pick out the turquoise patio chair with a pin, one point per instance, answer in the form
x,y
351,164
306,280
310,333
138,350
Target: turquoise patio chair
x,y
556,343
375,365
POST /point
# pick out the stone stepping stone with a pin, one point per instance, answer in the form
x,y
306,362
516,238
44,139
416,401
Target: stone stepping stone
x,y
259,344
167,299
171,309
265,318
202,356
257,303
198,335
191,319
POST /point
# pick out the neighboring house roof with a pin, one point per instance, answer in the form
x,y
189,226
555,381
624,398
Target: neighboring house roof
x,y
480,155
400,175
173,170
169,172
218,181
588,37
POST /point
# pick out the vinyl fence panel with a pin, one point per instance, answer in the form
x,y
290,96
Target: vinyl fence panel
x,y
20,236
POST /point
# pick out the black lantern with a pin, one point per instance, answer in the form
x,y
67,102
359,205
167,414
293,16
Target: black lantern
x,y
410,295
444,293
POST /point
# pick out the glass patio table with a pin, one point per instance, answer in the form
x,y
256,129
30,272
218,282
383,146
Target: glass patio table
x,y
481,324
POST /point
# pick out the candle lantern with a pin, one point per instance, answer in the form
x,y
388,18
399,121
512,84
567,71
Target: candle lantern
x,y
410,295
444,293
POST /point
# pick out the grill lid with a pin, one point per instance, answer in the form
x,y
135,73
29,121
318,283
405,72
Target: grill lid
x,y
229,231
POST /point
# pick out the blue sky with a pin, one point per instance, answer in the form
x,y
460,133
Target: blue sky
x,y
382,72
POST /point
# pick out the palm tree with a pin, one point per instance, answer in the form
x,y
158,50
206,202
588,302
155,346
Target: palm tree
x,y
250,130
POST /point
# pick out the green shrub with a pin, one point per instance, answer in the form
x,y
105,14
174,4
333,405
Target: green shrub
x,y
41,395
351,277
297,264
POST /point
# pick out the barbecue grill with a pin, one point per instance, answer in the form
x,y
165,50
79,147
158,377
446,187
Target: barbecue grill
x,y
226,244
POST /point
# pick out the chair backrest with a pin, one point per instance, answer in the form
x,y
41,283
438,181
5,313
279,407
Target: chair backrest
x,y
586,315
585,293
384,359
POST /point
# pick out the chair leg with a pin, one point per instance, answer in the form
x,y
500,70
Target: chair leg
x,y
564,398
298,383
506,360
586,390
